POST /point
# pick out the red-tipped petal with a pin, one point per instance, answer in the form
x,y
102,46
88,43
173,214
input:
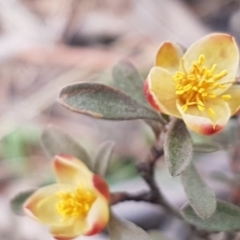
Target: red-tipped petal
x,y
101,185
98,216
42,204
161,89
150,97
70,170
201,122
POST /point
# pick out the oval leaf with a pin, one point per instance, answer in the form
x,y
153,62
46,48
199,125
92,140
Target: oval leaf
x,y
124,230
178,149
101,101
201,198
102,158
55,142
127,78
226,218
17,202
206,147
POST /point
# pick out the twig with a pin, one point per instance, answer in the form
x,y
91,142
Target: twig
x,y
146,170
154,195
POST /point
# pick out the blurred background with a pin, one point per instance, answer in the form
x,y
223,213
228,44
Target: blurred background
x,y
47,44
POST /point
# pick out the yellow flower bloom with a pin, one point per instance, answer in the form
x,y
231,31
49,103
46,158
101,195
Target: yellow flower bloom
x,y
76,205
198,85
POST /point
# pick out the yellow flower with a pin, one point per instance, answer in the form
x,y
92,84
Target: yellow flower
x,y
198,85
76,205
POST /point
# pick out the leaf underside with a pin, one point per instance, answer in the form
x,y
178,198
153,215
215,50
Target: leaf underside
x,y
178,149
225,218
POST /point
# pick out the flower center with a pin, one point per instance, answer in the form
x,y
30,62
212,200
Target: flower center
x,y
76,203
196,87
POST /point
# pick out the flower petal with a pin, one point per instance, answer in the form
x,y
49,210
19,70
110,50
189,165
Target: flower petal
x,y
201,122
41,205
70,231
70,170
161,88
101,186
218,48
234,101
98,216
168,56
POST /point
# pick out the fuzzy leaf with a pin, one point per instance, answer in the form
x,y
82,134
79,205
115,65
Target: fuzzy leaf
x,y
101,101
102,158
201,198
225,218
124,230
206,147
178,149
55,142
127,78
157,235
17,202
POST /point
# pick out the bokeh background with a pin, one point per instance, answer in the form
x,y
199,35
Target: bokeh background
x,y
47,44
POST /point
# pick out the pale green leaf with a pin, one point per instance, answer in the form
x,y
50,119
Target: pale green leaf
x,y
55,141
101,101
157,235
17,202
225,218
206,147
127,78
102,157
201,198
178,149
124,230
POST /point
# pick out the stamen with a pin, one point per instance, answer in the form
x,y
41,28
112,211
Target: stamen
x,y
179,92
220,75
201,59
212,95
210,72
76,203
226,97
184,108
211,112
187,87
198,85
200,107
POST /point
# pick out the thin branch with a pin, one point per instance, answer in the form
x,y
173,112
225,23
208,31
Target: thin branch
x,y
153,195
146,170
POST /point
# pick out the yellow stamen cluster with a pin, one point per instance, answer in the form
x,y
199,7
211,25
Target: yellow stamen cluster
x,y
196,87
76,203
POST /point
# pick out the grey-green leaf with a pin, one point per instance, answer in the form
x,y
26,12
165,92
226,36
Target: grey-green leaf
x,y
101,101
55,141
17,202
102,158
124,230
201,198
178,149
127,78
157,235
206,147
225,218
